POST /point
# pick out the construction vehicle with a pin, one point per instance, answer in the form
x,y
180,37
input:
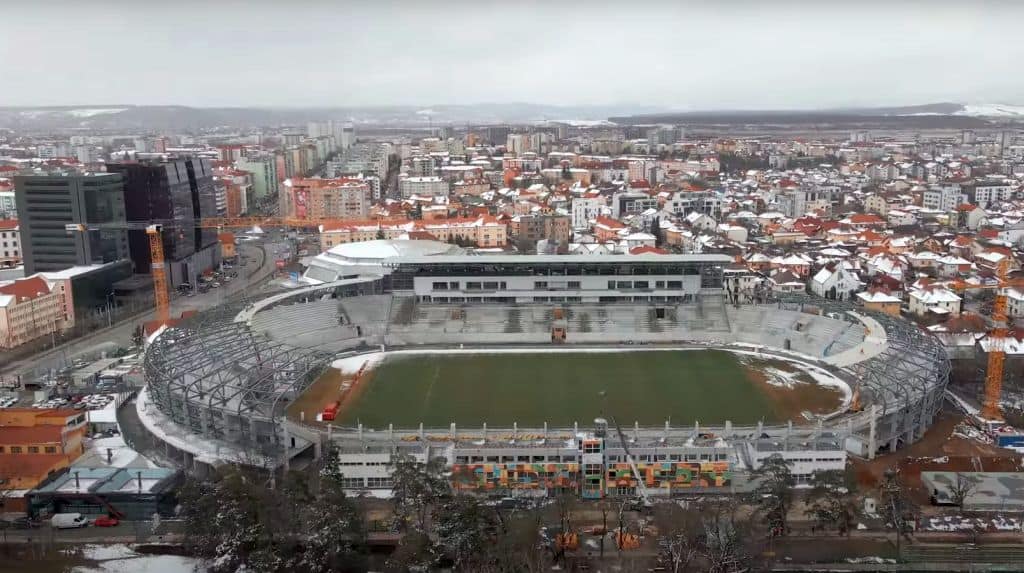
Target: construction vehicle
x,y
997,336
641,488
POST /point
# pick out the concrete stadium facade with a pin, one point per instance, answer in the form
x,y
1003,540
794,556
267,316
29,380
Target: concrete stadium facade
x,y
218,383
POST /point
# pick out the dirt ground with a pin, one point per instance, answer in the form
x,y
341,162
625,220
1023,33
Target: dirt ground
x,y
937,443
325,390
791,403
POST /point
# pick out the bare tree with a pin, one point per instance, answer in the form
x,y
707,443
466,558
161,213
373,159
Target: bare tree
x,y
566,505
680,535
724,547
896,507
962,487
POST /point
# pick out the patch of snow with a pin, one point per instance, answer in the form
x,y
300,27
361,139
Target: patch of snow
x,y
147,563
992,110
205,450
352,364
121,456
91,112
105,552
870,560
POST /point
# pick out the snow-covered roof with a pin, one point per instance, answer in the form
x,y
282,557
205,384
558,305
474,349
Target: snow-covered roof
x,y
877,296
387,248
935,295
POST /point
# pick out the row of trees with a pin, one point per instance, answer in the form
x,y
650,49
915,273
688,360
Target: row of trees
x,y
237,522
308,523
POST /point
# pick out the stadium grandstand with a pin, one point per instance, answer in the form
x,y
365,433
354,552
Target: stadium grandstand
x,y
219,382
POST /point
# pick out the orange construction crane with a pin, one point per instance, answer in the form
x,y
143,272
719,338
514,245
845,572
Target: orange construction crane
x,y
156,254
997,337
154,230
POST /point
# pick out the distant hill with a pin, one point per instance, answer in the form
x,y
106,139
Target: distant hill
x,y
141,118
153,117
935,115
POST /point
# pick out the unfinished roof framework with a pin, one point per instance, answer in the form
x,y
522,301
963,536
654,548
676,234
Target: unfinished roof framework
x,y
222,380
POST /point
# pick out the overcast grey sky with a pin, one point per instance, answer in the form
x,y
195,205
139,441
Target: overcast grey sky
x,y
685,55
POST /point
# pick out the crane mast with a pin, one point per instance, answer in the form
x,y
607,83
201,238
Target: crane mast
x,y
159,268
641,488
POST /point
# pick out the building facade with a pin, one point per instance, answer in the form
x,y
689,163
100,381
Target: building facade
x,y
557,278
528,229
29,309
423,187
178,190
48,203
10,244
585,210
264,174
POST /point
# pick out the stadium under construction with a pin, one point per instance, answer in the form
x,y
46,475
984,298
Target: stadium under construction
x,y
219,383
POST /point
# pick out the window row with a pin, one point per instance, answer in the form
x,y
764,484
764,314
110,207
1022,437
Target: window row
x,y
513,459
673,458
31,449
626,285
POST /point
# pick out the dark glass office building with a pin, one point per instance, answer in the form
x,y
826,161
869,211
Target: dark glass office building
x,y
47,203
175,192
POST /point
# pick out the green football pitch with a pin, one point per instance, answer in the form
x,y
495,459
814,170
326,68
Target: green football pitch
x,y
560,388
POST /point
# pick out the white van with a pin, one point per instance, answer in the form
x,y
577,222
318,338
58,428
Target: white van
x,y
68,520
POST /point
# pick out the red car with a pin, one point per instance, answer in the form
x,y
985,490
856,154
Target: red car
x,y
105,522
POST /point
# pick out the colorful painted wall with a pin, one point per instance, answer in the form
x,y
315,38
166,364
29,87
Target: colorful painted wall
x,y
496,476
658,475
671,475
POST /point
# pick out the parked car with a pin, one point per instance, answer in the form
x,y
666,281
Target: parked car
x,y
68,520
105,521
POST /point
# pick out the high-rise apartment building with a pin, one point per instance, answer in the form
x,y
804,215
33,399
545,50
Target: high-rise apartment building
x,y
264,174
48,203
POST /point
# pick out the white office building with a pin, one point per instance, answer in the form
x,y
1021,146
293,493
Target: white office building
x,y
423,187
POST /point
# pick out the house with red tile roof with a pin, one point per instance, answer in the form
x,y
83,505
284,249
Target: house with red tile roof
x,y
29,309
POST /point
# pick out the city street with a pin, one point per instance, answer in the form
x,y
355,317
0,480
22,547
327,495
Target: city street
x,y
251,276
168,531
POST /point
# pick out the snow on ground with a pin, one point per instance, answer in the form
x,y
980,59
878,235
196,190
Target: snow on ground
x,y
91,112
781,378
146,563
106,414
960,523
205,450
992,110
105,552
352,364
121,456
964,405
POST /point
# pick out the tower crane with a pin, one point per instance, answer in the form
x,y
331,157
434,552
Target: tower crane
x,y
155,229
997,337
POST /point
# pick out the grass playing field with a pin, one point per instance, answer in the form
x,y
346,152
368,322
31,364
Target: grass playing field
x,y
561,388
